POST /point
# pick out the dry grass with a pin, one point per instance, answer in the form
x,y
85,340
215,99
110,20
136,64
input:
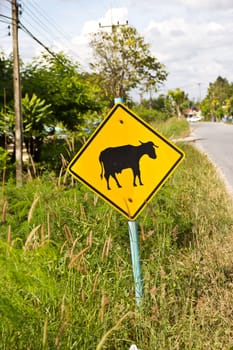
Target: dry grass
x,y
66,265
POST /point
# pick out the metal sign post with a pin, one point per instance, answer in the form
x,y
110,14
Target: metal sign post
x,y
135,249
134,145
135,256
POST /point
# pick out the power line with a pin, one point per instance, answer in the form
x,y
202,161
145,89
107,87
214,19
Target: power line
x,y
35,16
47,31
4,21
4,6
9,20
7,17
21,26
33,21
51,22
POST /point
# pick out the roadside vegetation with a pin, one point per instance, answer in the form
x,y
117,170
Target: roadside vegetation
x,y
66,276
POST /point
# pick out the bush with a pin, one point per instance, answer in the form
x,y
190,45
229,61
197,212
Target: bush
x,y
150,115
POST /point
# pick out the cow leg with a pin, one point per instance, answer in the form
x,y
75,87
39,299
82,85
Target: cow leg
x,y
107,176
107,180
136,173
139,177
117,182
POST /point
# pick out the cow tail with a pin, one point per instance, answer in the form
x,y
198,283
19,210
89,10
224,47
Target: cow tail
x,y
102,168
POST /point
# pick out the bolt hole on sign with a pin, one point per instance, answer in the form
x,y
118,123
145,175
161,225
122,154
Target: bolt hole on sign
x,y
125,161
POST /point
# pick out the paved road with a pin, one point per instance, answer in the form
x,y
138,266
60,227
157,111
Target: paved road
x,y
216,140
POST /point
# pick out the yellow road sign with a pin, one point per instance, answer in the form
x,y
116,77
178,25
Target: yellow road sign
x,y
125,161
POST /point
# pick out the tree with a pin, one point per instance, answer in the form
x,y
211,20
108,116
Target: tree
x,y
59,82
217,99
122,61
179,99
155,109
6,80
6,95
36,122
219,90
7,126
229,106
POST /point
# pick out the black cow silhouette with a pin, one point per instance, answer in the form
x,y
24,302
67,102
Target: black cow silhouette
x,y
114,159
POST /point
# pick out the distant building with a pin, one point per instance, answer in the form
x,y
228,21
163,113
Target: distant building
x,y
193,114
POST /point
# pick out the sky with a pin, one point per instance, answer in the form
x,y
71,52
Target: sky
x,y
192,38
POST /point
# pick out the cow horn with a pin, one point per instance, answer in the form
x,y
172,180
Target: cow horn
x,y
155,145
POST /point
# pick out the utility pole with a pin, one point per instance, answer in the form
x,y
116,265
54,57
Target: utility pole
x,y
199,84
17,97
114,33
113,26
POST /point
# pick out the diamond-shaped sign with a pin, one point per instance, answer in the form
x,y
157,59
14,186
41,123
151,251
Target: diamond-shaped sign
x,y
125,161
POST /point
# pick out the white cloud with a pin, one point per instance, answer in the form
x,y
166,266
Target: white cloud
x,y
195,46
111,17
193,38
215,28
81,42
208,4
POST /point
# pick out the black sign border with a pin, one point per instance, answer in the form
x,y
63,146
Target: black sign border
x,y
89,141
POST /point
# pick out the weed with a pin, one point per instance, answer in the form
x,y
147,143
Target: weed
x,y
65,267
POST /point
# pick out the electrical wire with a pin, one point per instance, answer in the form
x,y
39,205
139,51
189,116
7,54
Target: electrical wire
x,y
39,42
6,17
8,20
4,21
5,7
51,22
35,17
36,20
33,22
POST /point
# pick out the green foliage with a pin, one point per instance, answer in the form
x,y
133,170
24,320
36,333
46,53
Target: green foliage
x,y
56,154
59,83
4,163
6,81
228,107
179,99
156,109
36,117
150,115
6,99
3,157
66,277
65,267
122,61
218,102
6,127
174,128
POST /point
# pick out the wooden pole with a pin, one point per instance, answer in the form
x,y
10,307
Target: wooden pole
x,y
17,97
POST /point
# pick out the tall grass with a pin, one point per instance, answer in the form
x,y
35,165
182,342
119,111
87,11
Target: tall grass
x,y
66,277
172,127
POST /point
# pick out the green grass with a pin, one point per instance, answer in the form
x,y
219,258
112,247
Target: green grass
x,y
65,267
172,127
